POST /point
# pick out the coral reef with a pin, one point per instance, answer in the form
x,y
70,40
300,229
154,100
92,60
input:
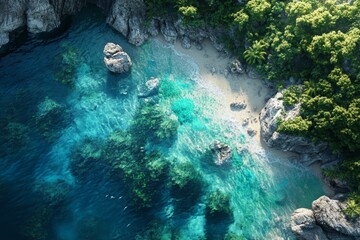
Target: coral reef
x,y
50,118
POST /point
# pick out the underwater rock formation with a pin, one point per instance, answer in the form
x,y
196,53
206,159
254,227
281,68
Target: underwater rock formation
x,y
50,118
150,88
308,151
222,152
326,220
116,59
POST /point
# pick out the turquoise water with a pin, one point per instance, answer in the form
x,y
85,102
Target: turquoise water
x,y
59,101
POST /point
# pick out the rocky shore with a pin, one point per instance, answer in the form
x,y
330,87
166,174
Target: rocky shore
x,y
125,16
325,220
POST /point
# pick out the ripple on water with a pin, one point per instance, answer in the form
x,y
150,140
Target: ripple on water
x,y
264,190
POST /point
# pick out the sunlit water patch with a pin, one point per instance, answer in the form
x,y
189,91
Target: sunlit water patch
x,y
59,103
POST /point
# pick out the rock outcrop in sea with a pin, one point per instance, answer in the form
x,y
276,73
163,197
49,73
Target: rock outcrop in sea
x,y
309,152
116,59
325,221
149,89
222,152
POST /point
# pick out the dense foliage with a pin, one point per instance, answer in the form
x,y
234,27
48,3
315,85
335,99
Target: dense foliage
x,y
315,41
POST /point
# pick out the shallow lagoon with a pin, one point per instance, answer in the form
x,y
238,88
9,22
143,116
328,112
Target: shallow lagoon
x,y
38,188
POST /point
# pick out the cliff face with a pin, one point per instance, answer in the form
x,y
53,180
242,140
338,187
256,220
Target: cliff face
x,y
308,151
325,221
38,16
126,16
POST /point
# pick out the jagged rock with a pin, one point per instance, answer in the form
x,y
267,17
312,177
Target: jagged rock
x,y
236,67
128,17
269,118
150,88
238,106
325,221
251,132
330,214
185,42
41,17
11,18
222,152
169,31
303,225
115,59
153,28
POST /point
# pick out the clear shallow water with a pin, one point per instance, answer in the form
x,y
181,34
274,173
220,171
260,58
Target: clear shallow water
x,y
34,168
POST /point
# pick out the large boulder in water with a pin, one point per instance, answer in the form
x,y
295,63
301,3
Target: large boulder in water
x,y
115,59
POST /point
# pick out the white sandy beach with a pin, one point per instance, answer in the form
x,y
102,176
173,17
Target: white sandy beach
x,y
238,88
233,87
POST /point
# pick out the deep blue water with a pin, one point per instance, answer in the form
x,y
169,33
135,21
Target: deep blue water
x,y
42,199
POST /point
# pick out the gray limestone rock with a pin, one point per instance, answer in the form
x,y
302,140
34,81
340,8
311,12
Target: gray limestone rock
x,y
329,214
169,31
238,106
303,225
127,17
153,28
251,132
222,152
150,88
41,16
326,220
115,59
185,42
270,115
236,67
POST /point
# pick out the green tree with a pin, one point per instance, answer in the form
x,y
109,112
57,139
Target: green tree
x,y
256,54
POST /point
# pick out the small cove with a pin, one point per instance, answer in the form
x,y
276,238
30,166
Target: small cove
x,y
264,189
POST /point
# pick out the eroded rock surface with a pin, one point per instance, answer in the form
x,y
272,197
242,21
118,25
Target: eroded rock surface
x,y
115,59
222,152
150,88
325,221
308,151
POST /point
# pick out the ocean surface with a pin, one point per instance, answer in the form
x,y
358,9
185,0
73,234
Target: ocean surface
x,y
58,103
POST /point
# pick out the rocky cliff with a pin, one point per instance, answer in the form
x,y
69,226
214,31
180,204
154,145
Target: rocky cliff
x,y
308,151
126,16
325,221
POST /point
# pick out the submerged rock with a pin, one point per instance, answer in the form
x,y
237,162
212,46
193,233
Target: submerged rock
x,y
115,59
326,220
222,152
149,89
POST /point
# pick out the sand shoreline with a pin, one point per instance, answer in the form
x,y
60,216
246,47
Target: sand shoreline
x,y
238,88
234,88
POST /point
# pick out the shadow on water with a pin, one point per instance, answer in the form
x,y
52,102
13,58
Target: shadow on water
x,y
119,84
217,225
